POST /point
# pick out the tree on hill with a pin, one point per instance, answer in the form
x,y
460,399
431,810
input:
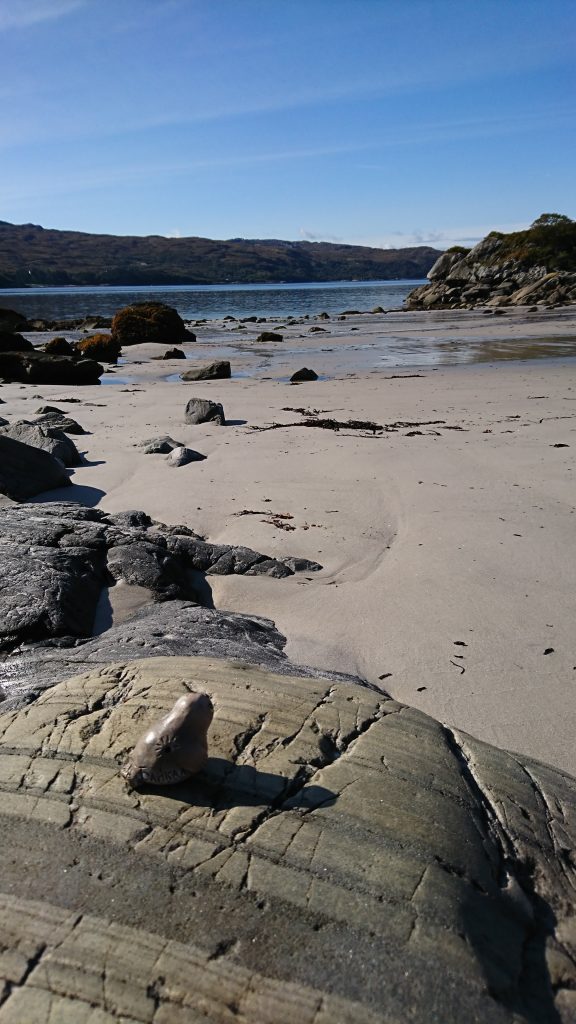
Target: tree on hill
x,y
550,220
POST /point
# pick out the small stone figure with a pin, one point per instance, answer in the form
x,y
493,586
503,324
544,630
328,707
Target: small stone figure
x,y
175,747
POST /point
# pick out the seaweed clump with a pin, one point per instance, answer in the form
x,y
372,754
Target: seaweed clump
x,y
149,322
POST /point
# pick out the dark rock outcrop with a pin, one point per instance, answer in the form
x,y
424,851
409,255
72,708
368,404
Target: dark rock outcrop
x,y
202,410
11,320
12,342
42,368
26,471
56,558
174,628
218,370
149,322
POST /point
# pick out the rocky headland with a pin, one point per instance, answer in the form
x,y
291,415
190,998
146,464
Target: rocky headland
x,y
533,267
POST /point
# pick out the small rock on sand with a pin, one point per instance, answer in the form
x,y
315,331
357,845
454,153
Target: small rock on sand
x,y
181,456
202,410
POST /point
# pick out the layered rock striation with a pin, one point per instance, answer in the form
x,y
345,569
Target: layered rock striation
x,y
341,857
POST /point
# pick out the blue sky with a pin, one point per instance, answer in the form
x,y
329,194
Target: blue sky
x,y
376,122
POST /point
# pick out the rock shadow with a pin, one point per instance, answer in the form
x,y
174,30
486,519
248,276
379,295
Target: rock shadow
x,y
222,785
79,494
199,589
510,947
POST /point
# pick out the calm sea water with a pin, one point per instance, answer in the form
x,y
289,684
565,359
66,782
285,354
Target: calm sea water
x,y
199,302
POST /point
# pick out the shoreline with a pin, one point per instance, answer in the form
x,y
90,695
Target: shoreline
x,y
365,342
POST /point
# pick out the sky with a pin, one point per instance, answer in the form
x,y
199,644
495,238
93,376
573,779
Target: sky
x,y
370,122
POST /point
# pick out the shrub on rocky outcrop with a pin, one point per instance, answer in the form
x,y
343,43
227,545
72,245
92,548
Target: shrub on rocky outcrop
x,y
149,322
100,346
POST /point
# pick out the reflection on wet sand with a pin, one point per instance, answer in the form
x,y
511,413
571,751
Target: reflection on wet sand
x,y
536,348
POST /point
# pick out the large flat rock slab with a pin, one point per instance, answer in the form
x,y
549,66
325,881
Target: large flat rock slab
x,y
342,857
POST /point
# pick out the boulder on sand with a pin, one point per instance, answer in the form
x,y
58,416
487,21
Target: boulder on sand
x,y
303,375
218,370
59,347
54,419
26,471
182,456
270,336
173,353
149,322
49,440
159,445
202,410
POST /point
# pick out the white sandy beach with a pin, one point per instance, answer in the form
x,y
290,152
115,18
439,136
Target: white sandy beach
x,y
448,554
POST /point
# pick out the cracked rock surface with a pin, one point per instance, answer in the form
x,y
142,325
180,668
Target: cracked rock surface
x,y
173,628
341,858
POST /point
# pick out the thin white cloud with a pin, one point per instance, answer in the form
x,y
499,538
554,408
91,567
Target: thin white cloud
x,y
511,123
16,14
318,236
438,238
105,177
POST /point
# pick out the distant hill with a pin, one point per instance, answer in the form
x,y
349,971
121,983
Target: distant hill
x,y
31,255
536,266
